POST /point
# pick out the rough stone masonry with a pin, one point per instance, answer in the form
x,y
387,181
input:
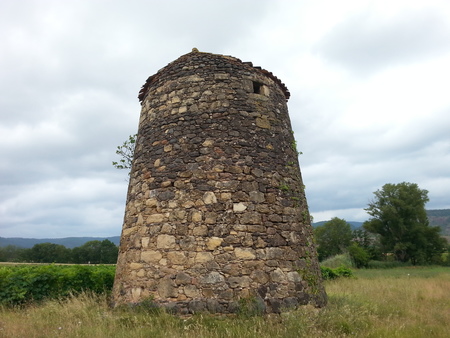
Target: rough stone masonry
x,y
216,215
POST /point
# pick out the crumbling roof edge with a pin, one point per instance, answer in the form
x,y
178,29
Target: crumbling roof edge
x,y
154,78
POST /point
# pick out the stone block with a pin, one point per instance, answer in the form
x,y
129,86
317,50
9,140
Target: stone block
x,y
251,218
196,216
213,306
197,306
182,278
274,253
166,289
135,294
145,241
203,257
278,276
151,256
165,242
239,207
259,276
212,278
176,257
239,282
128,231
210,217
294,276
192,291
201,230
257,196
136,266
213,243
244,253
209,197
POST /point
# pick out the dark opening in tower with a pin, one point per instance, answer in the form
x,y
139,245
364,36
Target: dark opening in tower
x,y
257,87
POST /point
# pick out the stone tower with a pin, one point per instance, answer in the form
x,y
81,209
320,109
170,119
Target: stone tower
x,y
216,214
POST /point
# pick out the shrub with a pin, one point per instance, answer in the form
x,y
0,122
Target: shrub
x,y
337,261
22,284
329,273
359,256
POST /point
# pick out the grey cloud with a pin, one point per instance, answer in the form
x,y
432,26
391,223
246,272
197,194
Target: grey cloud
x,y
65,206
71,72
367,43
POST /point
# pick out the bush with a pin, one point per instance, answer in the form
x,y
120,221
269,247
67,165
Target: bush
x,y
337,261
329,273
23,284
359,256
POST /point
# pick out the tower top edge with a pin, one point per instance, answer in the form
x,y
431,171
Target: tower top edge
x,y
195,52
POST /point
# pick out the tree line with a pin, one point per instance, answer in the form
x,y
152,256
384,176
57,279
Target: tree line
x,y
92,252
398,230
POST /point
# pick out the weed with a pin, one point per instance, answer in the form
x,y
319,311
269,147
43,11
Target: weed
x,y
251,306
147,305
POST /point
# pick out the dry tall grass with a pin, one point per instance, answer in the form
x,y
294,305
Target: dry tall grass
x,y
403,302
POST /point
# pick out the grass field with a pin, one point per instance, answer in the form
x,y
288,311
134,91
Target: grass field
x,y
402,302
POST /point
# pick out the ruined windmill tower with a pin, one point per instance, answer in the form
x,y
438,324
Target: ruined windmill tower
x,y
216,212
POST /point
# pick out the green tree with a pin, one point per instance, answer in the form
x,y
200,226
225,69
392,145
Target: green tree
x,y
109,252
11,253
332,238
47,253
369,242
126,151
399,218
96,252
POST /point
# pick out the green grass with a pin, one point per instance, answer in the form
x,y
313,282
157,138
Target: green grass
x,y
406,272
402,302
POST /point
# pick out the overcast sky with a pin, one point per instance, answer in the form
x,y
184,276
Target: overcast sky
x,y
369,83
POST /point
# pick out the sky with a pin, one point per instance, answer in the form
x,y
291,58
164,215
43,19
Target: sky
x,y
369,84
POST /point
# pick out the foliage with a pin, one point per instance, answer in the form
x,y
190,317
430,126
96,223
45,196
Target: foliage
x,y
369,242
11,253
23,284
337,261
68,242
95,252
330,273
250,306
47,253
399,218
332,238
360,257
148,305
126,151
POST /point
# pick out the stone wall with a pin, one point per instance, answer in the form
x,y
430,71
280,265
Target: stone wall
x,y
216,213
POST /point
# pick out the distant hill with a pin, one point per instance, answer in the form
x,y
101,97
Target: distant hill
x,y
438,217
68,242
441,218
353,225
